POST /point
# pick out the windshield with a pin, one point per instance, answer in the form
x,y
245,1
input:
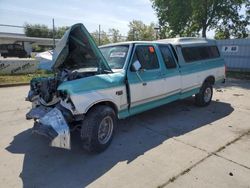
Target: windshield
x,y
115,55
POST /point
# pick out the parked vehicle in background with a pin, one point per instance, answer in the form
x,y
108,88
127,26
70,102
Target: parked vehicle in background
x,y
12,50
92,87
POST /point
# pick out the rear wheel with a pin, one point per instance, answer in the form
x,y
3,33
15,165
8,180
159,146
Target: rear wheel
x,y
204,97
98,128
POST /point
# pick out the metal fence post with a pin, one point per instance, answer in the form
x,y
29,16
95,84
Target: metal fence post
x,y
54,41
99,36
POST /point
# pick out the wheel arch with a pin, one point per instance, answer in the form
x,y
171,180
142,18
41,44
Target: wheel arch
x,y
103,102
210,79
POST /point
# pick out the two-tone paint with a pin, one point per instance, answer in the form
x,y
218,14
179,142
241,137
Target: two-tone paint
x,y
129,95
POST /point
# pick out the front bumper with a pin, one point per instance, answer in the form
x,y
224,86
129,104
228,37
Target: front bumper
x,y
50,122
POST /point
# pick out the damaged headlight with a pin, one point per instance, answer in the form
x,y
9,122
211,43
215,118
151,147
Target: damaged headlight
x,y
66,100
63,94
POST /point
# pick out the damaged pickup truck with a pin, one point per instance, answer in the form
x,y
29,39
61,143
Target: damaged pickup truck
x,y
92,87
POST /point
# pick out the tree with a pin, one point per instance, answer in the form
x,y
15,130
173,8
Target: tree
x,y
190,17
115,36
104,39
140,31
222,34
59,31
227,29
38,30
173,15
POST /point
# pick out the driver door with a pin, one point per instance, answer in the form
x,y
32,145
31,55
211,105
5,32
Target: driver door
x,y
145,85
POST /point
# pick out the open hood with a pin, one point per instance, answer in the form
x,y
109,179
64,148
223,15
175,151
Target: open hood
x,y
77,50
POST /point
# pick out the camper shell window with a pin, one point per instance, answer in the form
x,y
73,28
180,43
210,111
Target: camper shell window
x,y
199,53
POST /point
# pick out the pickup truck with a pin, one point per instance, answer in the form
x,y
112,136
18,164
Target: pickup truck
x,y
94,87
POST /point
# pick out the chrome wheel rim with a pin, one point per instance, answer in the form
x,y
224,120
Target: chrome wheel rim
x,y
207,95
105,130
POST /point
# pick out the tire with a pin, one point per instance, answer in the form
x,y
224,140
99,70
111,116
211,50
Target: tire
x,y
97,129
204,97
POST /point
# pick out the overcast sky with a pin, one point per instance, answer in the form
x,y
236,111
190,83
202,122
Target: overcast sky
x,y
109,13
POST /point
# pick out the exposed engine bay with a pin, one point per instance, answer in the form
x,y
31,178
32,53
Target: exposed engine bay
x,y
74,57
44,90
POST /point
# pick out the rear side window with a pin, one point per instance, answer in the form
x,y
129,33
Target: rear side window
x,y
10,47
17,47
167,57
191,54
3,47
147,57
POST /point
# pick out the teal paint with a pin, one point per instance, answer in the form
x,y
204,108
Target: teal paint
x,y
101,81
199,66
146,75
122,114
153,104
190,93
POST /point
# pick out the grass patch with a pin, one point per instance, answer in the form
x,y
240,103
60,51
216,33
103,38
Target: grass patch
x,y
23,78
238,75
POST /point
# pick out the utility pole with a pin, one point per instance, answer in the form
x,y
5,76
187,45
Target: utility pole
x,y
133,31
156,28
54,41
99,35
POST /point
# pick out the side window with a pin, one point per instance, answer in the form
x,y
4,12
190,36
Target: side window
x,y
167,57
147,57
10,47
191,54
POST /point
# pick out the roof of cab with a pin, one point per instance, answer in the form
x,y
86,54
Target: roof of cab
x,y
174,41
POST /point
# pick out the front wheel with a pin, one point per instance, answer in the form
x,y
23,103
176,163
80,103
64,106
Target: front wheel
x,y
98,128
204,97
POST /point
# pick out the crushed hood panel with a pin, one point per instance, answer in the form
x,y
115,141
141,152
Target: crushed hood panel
x,y
77,50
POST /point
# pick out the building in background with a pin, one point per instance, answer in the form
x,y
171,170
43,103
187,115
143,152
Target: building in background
x,y
236,53
26,42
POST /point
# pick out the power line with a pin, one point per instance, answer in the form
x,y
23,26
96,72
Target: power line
x,y
99,34
7,25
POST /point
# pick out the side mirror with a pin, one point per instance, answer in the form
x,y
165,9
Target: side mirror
x,y
136,66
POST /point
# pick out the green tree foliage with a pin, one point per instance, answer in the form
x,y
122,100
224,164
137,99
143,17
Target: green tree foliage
x,y
38,30
112,36
222,34
59,31
190,17
104,38
232,24
140,31
115,36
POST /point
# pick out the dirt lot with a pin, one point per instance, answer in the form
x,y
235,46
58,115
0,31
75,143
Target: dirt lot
x,y
177,145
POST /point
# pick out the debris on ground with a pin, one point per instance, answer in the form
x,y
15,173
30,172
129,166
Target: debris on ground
x,y
238,95
219,90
